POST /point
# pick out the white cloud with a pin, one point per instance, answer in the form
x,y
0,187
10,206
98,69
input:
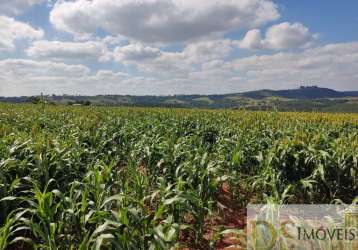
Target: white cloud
x,y
252,40
333,66
287,35
108,74
181,64
175,46
12,30
25,69
69,50
161,20
114,40
190,71
135,52
29,77
281,36
208,50
173,64
16,7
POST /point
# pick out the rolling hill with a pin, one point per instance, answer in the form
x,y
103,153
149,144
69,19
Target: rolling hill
x,y
302,99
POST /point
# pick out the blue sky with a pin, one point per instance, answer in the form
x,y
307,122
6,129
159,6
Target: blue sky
x,y
335,21
163,47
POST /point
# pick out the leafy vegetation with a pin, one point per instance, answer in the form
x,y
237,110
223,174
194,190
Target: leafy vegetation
x,y
137,178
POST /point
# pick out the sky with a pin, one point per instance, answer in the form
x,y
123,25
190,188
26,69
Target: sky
x,y
167,47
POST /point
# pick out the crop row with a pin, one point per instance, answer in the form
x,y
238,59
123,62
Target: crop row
x,y
133,178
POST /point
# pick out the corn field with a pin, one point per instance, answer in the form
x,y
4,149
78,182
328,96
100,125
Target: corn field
x,y
141,178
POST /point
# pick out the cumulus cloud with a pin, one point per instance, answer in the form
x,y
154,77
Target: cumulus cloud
x,y
12,30
69,50
281,36
135,52
177,64
30,77
16,7
114,40
252,40
22,68
110,75
208,50
333,65
161,20
176,47
287,35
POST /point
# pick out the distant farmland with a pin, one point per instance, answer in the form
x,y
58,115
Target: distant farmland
x,y
304,99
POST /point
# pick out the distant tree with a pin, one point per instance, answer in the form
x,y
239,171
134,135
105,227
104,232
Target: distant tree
x,y
87,103
34,100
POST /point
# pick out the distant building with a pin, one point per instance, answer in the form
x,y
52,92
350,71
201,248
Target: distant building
x,y
309,87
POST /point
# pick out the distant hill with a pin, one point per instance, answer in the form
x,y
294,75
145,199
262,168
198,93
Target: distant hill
x,y
312,92
311,98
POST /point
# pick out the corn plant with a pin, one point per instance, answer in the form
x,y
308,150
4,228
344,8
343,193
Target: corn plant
x,y
142,178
